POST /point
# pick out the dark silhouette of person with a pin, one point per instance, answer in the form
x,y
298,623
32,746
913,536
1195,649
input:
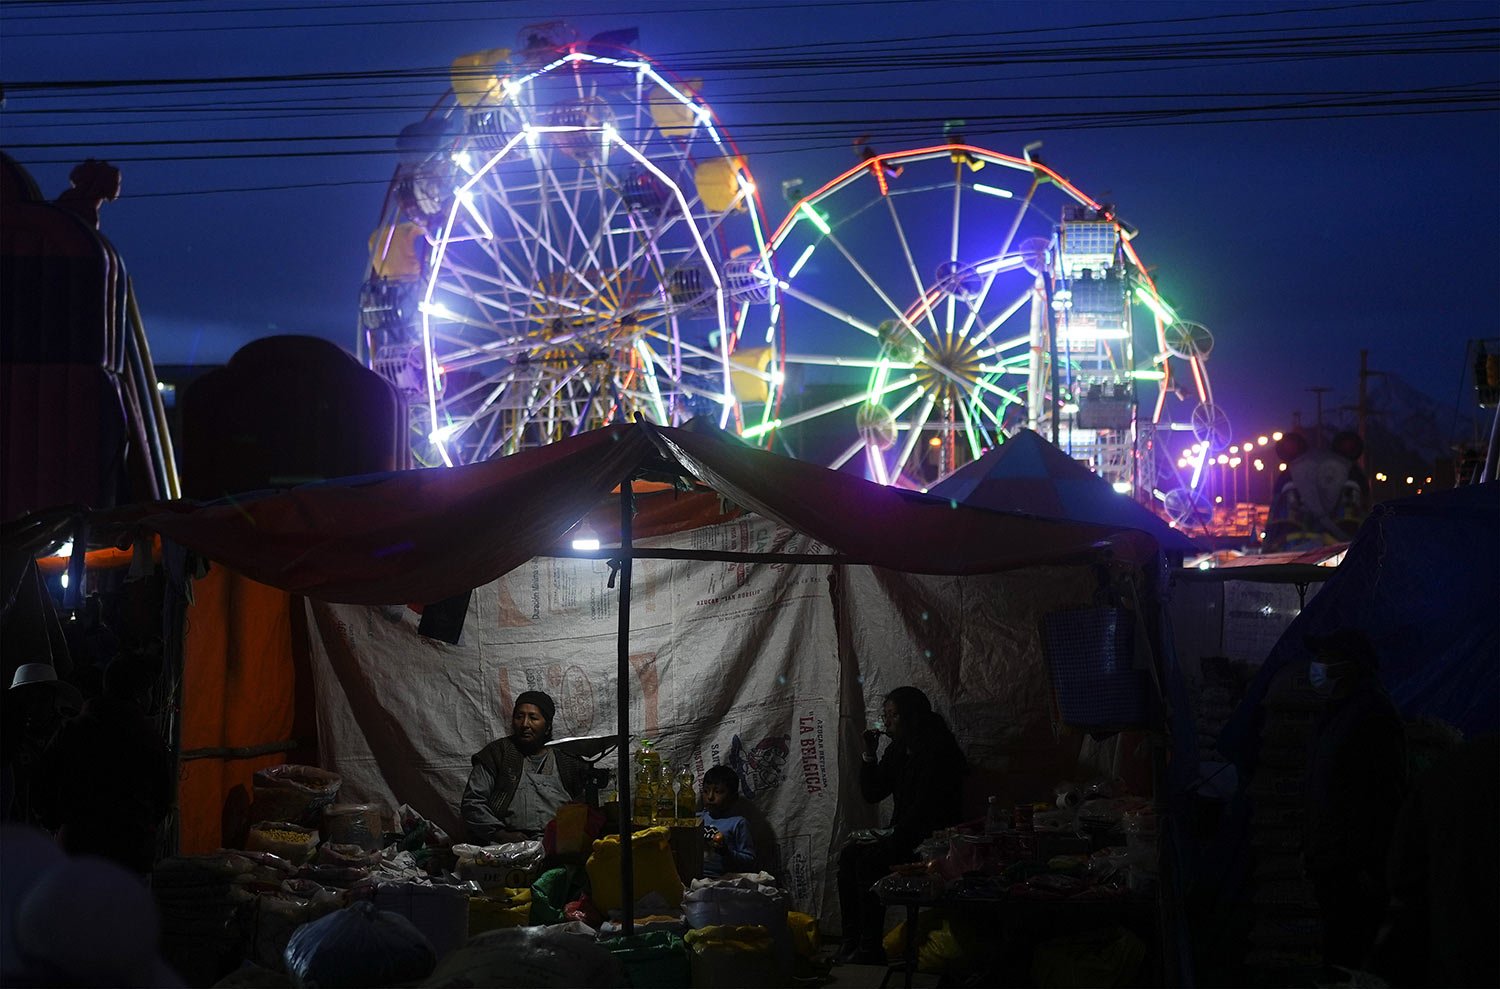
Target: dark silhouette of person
x,y
35,707
92,183
1444,874
922,771
1355,784
108,779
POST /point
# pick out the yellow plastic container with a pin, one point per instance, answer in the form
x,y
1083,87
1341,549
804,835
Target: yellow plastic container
x,y
654,869
504,908
805,937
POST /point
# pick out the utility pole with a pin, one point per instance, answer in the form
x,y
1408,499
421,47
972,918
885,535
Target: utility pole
x,y
1362,411
1318,390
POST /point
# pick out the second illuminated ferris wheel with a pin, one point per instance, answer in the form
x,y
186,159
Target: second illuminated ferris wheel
x,y
965,293
570,240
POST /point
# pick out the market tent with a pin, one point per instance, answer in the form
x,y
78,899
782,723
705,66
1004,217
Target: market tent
x,y
428,535
1421,579
733,654
1028,474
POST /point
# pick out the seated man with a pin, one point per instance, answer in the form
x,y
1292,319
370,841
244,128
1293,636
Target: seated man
x,y
922,771
728,846
517,783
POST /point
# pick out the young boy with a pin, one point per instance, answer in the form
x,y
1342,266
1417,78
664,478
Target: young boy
x,y
729,847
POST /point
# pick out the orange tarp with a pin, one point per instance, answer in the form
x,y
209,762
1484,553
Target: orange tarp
x,y
243,687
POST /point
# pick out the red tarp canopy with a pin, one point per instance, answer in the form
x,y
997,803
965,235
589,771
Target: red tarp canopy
x,y
427,535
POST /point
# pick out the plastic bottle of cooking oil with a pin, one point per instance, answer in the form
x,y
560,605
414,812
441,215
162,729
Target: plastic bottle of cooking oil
x,y
666,798
643,799
687,800
647,756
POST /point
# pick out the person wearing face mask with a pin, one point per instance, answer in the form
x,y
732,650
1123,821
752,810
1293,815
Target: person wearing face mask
x,y
517,783
922,772
1355,784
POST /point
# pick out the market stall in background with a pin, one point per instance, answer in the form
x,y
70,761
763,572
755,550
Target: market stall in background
x,y
767,660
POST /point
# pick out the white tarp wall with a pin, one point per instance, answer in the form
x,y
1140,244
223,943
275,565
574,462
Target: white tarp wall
x,y
731,663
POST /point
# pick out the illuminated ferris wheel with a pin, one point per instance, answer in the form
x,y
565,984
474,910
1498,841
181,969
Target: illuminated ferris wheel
x,y
967,293
569,240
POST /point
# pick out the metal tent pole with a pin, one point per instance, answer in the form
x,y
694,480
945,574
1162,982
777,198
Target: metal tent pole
x,y
622,716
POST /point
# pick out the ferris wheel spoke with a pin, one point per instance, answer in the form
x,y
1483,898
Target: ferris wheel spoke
x,y
1016,305
505,277
530,249
849,402
847,455
540,234
973,430
973,399
875,457
505,260
958,188
911,263
648,372
914,434
830,310
964,385
688,348
837,360
526,415
1003,253
530,295
1003,346
575,228
874,286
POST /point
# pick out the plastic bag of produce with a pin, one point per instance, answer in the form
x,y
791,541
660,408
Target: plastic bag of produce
x,y
359,945
741,901
354,824
277,914
347,856
512,864
542,957
293,793
938,946
284,840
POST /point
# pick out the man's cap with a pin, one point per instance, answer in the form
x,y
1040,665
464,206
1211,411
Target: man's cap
x,y
543,702
28,674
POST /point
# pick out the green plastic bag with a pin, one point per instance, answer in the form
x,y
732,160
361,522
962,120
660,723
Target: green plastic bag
x,y
654,960
549,895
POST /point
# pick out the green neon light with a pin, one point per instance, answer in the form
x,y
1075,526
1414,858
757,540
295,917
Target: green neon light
x,y
970,432
817,221
765,427
882,372
1156,305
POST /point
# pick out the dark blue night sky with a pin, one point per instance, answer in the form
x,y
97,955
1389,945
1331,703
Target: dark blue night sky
x,y
1307,179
